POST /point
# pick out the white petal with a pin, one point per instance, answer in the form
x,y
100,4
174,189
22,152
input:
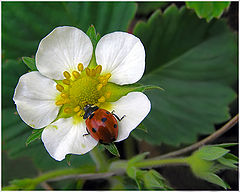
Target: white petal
x,y
63,137
35,99
135,106
123,55
62,50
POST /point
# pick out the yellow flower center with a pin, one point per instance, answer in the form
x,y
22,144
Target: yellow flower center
x,y
82,87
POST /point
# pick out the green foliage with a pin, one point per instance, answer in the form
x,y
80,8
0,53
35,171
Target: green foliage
x,y
195,63
145,179
153,180
150,179
209,160
147,7
117,91
36,134
211,152
192,60
208,10
93,35
35,20
111,147
30,62
11,71
15,132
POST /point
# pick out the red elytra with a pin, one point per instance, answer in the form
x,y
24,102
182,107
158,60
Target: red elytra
x,y
101,124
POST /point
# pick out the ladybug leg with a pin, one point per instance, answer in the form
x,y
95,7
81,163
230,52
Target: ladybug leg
x,y
86,133
119,119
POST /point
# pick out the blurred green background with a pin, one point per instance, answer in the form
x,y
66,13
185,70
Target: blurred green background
x,y
193,60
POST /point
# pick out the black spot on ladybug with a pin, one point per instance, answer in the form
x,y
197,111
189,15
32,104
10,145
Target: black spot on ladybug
x,y
91,116
115,125
94,130
100,141
107,112
104,119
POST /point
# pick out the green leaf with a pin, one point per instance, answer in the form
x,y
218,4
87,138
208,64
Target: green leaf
x,y
34,20
68,157
208,10
93,35
195,63
213,178
137,158
36,134
145,8
142,128
30,62
117,91
137,175
111,147
231,156
11,71
228,162
153,180
225,145
211,153
27,184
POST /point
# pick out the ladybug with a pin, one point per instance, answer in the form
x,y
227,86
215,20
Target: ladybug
x,y
101,124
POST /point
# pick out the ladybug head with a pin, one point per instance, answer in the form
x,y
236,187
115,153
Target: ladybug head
x,y
89,109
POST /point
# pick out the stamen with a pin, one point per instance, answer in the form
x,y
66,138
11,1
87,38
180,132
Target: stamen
x,y
79,113
80,67
108,75
88,72
66,75
76,74
107,94
104,82
93,72
59,102
76,109
101,99
67,110
98,69
66,101
99,87
60,88
64,95
66,81
101,78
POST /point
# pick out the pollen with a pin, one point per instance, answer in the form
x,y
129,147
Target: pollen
x,y
76,74
99,87
76,109
101,99
82,87
67,110
98,69
66,75
64,95
60,88
66,81
80,67
59,102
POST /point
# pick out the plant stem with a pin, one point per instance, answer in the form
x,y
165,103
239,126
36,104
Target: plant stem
x,y
161,162
99,159
208,139
57,173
